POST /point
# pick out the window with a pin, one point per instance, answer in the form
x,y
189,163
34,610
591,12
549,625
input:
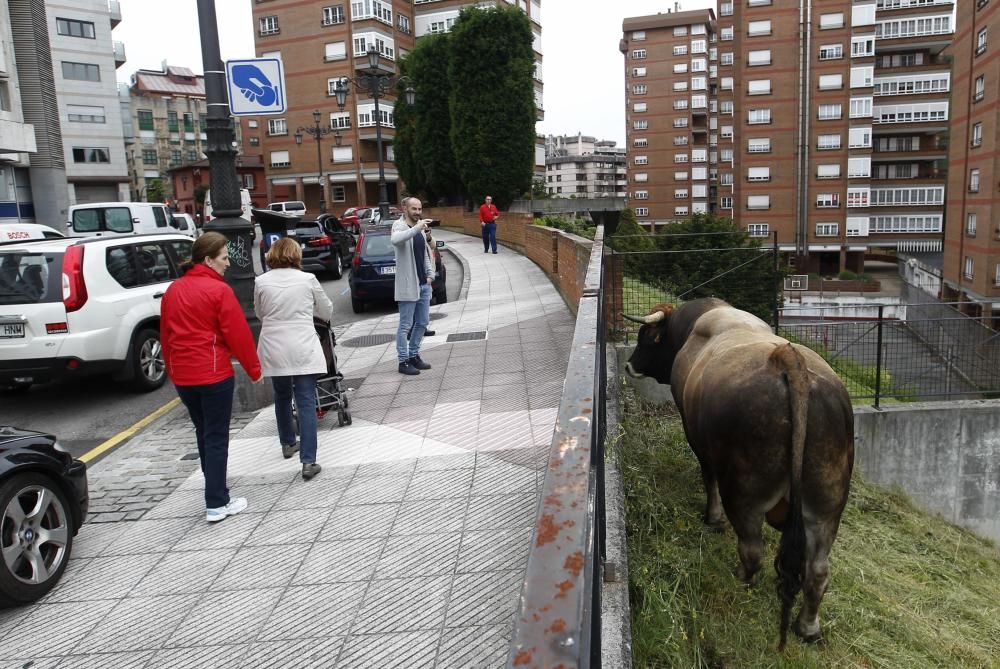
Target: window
x,y
175,157
862,15
829,82
861,107
725,9
74,28
726,179
758,3
862,47
149,156
680,211
699,46
912,113
758,174
172,122
858,196
280,159
269,25
638,35
759,87
969,266
936,82
372,9
827,229
758,230
680,157
340,120
699,83
857,226
384,45
277,126
85,114
335,51
726,84
640,142
680,176
680,86
977,134
970,224
859,138
757,116
760,57
81,71
726,34
831,171
338,193
757,28
726,107
640,125
638,72
829,21
981,42
638,89
758,201
642,212
342,154
863,76
760,145
188,122
145,119
978,93
639,107
640,177
699,155
403,24
255,141
333,15
192,156
680,193
827,142
726,58
680,50
827,200
641,195
726,202
726,132
640,160
830,111
366,115
831,51
859,167
638,54
94,155
680,31
681,104
680,68
974,180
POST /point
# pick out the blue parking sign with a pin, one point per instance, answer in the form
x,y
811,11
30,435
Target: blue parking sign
x,y
256,87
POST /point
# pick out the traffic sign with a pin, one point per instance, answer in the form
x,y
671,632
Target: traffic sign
x,y
256,87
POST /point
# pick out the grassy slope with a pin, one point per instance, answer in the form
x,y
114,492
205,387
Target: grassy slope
x,y
907,590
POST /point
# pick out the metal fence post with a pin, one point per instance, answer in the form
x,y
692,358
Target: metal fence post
x,y
878,359
777,279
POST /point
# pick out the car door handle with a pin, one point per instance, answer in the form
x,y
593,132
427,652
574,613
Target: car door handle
x,y
157,296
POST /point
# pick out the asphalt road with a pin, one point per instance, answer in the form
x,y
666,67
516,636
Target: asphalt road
x,y
87,412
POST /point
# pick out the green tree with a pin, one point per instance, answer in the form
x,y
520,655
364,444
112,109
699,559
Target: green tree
x,y
154,190
492,102
424,154
629,236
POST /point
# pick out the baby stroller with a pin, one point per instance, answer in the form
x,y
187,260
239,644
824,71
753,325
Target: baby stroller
x,y
330,393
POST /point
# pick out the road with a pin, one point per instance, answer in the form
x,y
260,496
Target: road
x,y
88,412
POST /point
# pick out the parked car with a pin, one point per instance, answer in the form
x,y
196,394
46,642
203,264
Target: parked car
x,y
185,225
43,502
246,204
80,306
102,219
326,246
356,219
373,270
296,207
12,233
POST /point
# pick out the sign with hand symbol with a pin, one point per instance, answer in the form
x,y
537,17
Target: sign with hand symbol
x,y
256,87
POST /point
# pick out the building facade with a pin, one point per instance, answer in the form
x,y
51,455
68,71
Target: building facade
x,y
972,239
17,138
584,167
825,109
84,59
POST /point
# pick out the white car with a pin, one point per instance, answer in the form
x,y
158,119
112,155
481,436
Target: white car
x,y
81,306
12,233
185,225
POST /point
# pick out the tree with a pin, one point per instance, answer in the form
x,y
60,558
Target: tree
x,y
492,102
154,190
424,154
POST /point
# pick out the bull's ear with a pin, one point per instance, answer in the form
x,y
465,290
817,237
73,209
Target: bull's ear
x,y
667,309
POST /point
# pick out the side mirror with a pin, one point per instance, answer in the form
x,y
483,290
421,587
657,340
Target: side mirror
x,y
440,245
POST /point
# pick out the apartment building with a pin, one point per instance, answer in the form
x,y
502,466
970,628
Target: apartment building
x,y
582,166
671,113
825,108
85,58
972,237
17,137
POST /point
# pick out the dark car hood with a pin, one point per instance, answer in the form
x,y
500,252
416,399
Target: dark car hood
x,y
10,435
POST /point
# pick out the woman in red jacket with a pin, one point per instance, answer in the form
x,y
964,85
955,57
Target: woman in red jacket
x,y
201,327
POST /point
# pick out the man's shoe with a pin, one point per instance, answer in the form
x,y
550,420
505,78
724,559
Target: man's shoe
x,y
236,504
408,369
429,333
310,470
494,253
486,250
289,451
418,363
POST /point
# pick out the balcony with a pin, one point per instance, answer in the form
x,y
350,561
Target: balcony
x,y
119,51
115,11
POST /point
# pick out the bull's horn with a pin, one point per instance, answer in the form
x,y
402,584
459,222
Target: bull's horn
x,y
654,317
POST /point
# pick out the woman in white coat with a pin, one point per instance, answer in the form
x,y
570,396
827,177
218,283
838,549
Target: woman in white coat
x,y
286,300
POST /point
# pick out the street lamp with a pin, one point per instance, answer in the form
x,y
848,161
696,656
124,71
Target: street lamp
x,y
376,82
317,133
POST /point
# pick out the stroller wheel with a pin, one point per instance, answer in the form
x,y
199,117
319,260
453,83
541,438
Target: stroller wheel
x,y
340,419
346,403
348,418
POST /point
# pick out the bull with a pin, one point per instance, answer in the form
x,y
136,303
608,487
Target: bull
x,y
773,431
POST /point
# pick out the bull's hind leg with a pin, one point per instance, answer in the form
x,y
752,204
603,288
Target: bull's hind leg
x,y
713,505
747,524
819,539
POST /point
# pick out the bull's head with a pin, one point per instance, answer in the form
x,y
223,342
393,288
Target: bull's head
x,y
654,352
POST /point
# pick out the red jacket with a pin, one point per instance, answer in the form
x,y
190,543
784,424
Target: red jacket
x,y
201,327
488,213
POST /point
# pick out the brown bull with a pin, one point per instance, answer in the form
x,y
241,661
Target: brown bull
x,y
772,427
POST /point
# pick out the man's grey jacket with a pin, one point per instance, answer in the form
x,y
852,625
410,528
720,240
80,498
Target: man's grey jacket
x,y
407,285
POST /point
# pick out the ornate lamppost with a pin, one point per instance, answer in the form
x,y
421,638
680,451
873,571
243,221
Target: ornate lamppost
x,y
317,132
376,80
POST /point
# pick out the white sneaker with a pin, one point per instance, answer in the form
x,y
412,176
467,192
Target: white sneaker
x,y
236,504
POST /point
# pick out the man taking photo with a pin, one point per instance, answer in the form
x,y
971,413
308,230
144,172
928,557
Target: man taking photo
x,y
414,274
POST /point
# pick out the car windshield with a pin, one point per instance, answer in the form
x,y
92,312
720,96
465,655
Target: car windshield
x,y
30,278
364,214
377,245
307,229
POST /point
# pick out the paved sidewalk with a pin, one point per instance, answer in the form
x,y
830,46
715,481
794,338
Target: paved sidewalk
x,y
408,550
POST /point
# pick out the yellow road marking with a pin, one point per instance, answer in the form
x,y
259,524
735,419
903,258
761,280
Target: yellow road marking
x,y
128,432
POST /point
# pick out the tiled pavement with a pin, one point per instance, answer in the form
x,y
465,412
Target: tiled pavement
x,y
408,550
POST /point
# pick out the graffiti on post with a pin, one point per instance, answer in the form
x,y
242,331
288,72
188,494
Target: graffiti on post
x,y
239,254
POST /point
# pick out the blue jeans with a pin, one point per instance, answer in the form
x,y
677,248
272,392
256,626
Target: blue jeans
x,y
304,388
211,407
413,319
490,237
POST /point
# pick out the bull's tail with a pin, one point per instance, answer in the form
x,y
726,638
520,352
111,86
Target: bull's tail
x,y
790,561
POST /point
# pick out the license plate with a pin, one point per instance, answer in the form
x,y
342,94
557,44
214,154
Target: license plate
x,y
388,270
11,330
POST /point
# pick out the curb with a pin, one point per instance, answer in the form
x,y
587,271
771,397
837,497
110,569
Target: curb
x,y
466,274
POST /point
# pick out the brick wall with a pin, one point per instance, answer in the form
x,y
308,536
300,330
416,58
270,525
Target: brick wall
x,y
573,259
542,246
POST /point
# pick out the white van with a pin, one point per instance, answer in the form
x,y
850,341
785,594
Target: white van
x,y
245,205
185,224
294,207
100,219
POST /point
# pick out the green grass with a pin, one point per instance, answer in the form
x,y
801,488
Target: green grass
x,y
907,590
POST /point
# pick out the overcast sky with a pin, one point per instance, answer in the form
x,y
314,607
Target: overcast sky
x,y
583,70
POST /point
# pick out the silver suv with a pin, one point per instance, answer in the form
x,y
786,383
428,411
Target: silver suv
x,y
81,306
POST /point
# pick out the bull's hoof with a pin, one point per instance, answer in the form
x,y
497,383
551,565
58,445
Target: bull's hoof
x,y
747,578
716,524
807,636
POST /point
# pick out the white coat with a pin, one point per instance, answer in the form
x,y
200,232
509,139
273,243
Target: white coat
x,y
286,301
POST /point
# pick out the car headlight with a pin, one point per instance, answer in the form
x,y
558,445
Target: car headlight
x,y
56,445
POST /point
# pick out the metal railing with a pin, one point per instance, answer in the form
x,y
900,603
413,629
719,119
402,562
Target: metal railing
x,y
558,621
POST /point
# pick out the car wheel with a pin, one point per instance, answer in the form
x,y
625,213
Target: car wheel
x,y
36,537
357,305
146,362
338,266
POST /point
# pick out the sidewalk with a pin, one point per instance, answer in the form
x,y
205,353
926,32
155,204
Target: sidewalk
x,y
408,550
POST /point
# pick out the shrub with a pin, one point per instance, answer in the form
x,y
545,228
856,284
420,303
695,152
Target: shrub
x,y
847,275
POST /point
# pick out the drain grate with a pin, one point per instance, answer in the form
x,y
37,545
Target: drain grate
x,y
369,340
467,336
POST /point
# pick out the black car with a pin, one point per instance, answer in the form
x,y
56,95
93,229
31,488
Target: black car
x,y
43,502
373,270
326,246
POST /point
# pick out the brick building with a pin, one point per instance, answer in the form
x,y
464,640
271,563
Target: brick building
x,y
972,238
823,109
